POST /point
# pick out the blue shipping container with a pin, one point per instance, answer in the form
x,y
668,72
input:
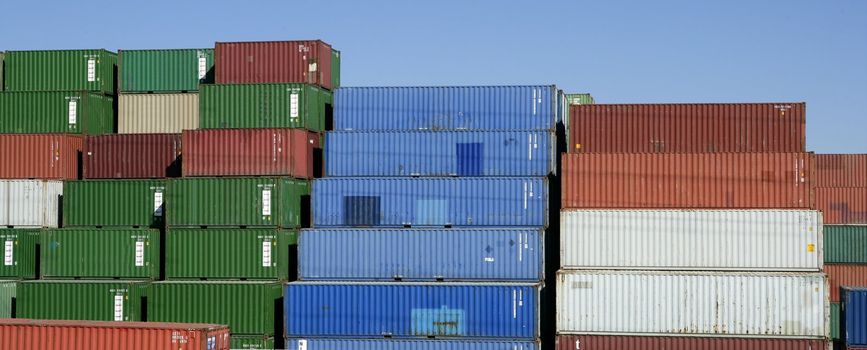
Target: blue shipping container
x,y
411,310
406,202
428,153
854,310
408,344
533,107
494,254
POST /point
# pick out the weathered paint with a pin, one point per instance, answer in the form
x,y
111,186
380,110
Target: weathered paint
x,y
58,70
139,156
854,310
128,203
229,253
580,99
81,300
30,203
44,112
842,205
253,342
41,156
841,170
409,344
264,106
8,290
100,253
846,244
251,152
165,70
845,275
638,342
307,61
19,253
157,113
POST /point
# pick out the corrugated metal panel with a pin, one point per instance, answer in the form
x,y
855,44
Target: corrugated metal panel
x,y
580,99
335,69
100,253
732,180
836,318
428,153
762,240
751,304
2,65
30,203
412,310
56,70
247,307
81,300
846,244
532,107
98,335
265,202
7,298
19,253
130,203
841,170
225,253
264,106
252,342
855,311
72,112
845,275
132,156
843,205
490,201
497,254
157,113
220,152
409,344
165,70
40,156
620,342
308,61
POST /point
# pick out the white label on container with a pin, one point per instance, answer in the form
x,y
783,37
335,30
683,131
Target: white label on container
x,y
302,344
139,253
91,69
293,106
312,67
203,67
525,195
530,147
533,101
158,204
8,251
266,202
73,111
118,307
266,253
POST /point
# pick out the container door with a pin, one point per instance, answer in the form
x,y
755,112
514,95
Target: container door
x,y
431,212
361,210
470,159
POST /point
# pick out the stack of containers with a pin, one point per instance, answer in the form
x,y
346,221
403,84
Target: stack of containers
x,y
688,226
429,224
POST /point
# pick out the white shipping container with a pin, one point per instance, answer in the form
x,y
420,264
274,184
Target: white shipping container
x,y
30,203
741,240
157,113
741,304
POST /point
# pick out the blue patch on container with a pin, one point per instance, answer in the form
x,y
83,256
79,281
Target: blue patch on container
x,y
439,322
470,158
361,210
431,212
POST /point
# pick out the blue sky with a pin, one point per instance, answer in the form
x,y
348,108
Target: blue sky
x,y
620,51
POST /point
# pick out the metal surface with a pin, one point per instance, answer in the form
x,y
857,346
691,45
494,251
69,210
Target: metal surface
x,y
854,310
842,206
401,202
138,156
252,342
264,106
100,253
165,70
30,203
157,113
226,253
246,152
58,70
335,69
19,253
409,344
127,203
580,99
8,290
836,321
71,112
621,342
845,275
496,254
275,62
846,244
841,170
2,65
81,300
40,156
412,310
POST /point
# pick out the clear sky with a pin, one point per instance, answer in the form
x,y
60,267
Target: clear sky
x,y
620,51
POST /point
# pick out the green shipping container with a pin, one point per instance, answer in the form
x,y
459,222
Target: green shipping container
x,y
105,203
62,70
7,298
2,64
580,99
69,112
238,202
101,253
846,244
247,307
82,300
173,70
19,253
335,69
252,342
264,106
231,253
835,321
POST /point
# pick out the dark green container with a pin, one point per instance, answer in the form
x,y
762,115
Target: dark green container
x,y
7,298
101,253
117,203
238,202
19,253
580,99
81,300
172,70
845,244
62,70
251,342
335,69
231,253
835,321
247,307
264,106
70,112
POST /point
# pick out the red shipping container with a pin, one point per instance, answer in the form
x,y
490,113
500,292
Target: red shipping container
x,y
725,180
842,205
845,275
687,128
252,152
274,62
628,342
841,170
132,156
97,335
41,156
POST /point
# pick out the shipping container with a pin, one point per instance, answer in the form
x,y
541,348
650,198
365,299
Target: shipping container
x,y
532,107
841,170
139,156
19,253
405,202
725,181
264,106
412,310
157,113
432,153
409,344
635,342
246,152
854,309
335,69
307,61
102,335
2,64
100,203
228,253
660,239
842,205
30,203
57,70
766,304
836,321
495,254
165,70
846,244
253,342
845,275
82,300
246,307
8,290
56,112
580,99
41,156
239,202
100,253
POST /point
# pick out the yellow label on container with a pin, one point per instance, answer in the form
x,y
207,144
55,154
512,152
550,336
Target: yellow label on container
x,y
811,247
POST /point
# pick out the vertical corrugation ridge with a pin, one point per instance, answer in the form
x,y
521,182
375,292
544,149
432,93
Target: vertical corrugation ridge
x,y
158,113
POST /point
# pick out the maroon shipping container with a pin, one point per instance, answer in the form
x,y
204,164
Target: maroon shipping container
x,y
626,342
251,152
725,180
845,275
132,156
841,170
306,61
41,156
842,205
687,128
98,335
